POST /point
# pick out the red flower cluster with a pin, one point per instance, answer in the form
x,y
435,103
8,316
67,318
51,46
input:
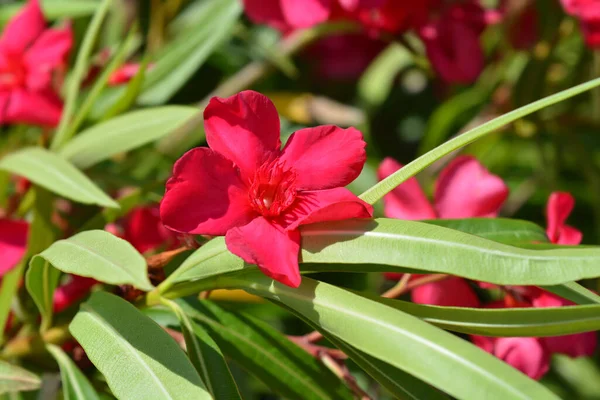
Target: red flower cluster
x,y
255,193
32,59
466,189
449,30
588,13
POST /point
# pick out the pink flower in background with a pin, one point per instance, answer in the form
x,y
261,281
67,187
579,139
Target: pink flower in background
x,y
450,292
143,228
76,289
527,354
558,209
125,73
576,345
287,15
452,41
588,13
343,57
13,243
32,58
255,193
464,189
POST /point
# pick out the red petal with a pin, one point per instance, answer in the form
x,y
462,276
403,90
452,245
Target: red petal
x,y
24,28
273,249
13,243
33,108
558,209
205,195
49,52
406,201
306,13
244,129
325,157
485,343
72,292
525,354
569,236
145,231
576,345
466,189
451,292
266,12
325,205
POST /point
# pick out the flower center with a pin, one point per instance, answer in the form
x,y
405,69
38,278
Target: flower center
x,y
273,188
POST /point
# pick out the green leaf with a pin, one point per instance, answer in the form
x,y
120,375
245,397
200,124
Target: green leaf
x,y
398,339
53,9
80,70
124,98
513,322
396,381
123,133
189,51
99,255
16,379
391,245
136,356
503,230
75,385
101,82
206,356
267,354
574,292
56,174
388,184
41,279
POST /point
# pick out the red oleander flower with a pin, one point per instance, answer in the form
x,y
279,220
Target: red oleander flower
x,y
576,345
13,243
464,189
452,41
287,15
527,354
255,193
143,228
558,209
588,13
125,73
71,292
31,60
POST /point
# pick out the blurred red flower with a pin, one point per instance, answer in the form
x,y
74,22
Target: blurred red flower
x,y
464,189
255,193
32,58
13,243
558,209
588,13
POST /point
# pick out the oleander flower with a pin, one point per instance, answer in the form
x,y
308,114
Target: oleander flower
x,y
255,193
32,60
559,207
13,243
464,189
588,13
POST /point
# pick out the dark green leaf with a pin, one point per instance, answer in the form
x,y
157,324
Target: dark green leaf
x,y
267,354
136,356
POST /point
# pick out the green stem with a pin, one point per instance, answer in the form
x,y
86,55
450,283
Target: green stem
x,y
382,188
63,134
